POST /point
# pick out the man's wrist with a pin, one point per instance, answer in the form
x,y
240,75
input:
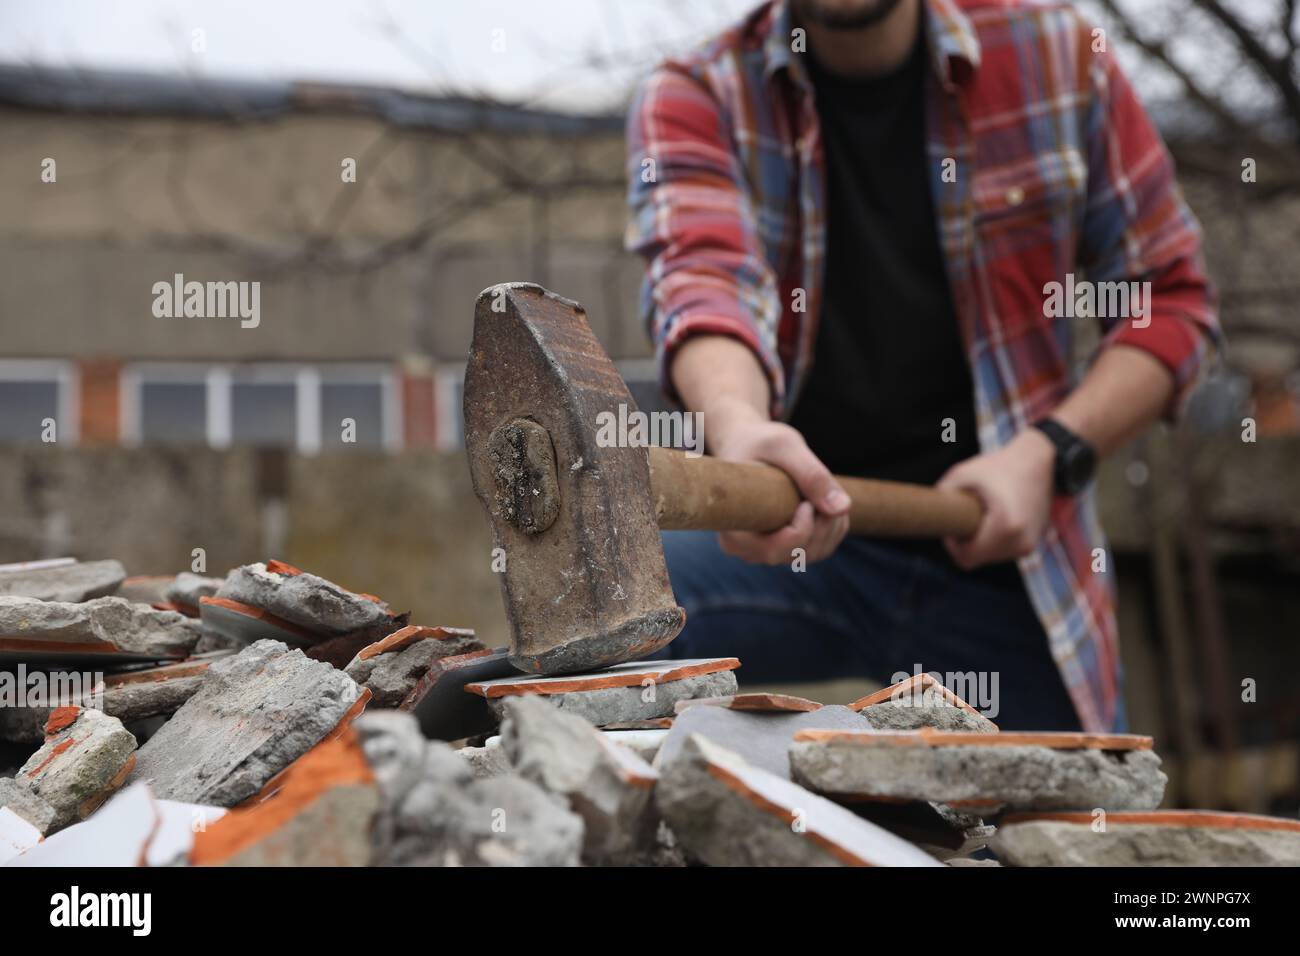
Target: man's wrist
x,y
724,414
1074,458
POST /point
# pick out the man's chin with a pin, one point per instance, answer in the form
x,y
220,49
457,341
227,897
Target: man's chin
x,y
839,15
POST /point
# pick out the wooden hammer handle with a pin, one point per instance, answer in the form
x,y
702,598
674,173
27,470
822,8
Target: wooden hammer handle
x,y
715,495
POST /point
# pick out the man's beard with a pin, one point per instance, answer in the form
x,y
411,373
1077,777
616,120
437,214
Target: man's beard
x,y
868,15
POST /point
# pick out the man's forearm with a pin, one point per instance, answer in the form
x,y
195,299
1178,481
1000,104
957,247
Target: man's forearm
x,y
1125,391
722,379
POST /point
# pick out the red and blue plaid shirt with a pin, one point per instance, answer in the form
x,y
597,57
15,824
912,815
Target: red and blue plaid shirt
x,y
1042,163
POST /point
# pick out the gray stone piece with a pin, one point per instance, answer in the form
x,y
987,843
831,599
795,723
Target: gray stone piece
x,y
303,599
437,813
725,812
613,705
78,767
609,786
186,588
1019,777
488,761
391,677
761,738
28,805
898,715
69,583
1057,843
130,628
254,714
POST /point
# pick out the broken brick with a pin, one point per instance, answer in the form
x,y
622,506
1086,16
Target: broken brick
x,y
328,790
254,714
69,583
102,629
639,690
608,786
186,590
311,602
82,762
392,667
1156,838
439,701
921,701
727,812
764,703
1040,771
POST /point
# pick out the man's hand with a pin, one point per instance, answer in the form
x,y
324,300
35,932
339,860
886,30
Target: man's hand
x,y
739,433
1015,484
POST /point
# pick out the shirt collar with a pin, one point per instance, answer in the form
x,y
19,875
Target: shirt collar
x,y
951,41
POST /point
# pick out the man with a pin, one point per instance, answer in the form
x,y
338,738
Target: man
x,y
867,223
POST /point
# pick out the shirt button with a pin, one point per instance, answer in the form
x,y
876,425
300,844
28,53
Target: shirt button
x,y
1015,196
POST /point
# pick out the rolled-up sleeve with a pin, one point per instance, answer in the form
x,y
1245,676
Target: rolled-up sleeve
x,y
692,219
1138,228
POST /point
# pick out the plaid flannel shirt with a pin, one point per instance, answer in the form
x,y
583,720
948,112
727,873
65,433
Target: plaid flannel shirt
x,y
1042,163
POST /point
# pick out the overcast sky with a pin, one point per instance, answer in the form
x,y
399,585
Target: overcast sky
x,y
579,53
572,54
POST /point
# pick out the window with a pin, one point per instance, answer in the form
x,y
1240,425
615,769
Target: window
x,y
34,394
262,405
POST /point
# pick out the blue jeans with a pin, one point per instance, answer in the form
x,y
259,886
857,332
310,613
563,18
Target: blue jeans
x,y
870,610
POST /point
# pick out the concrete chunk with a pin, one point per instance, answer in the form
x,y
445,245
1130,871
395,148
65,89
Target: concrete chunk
x,y
609,786
303,599
726,812
392,667
1160,838
186,589
921,701
436,813
80,765
105,627
254,714
21,800
1042,771
639,690
69,583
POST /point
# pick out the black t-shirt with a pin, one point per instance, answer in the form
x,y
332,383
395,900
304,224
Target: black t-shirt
x,y
890,378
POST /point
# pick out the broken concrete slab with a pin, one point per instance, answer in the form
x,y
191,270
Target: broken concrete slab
x,y
106,629
436,813
939,830
67,583
187,589
921,701
148,589
128,695
763,702
330,790
1033,771
254,714
439,701
84,760
639,690
393,666
761,738
240,625
132,829
609,786
293,595
19,799
726,812
1158,838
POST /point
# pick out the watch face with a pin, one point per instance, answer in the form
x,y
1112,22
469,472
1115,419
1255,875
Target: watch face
x,y
1076,463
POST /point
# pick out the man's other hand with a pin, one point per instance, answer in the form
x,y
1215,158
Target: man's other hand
x,y
738,433
1015,485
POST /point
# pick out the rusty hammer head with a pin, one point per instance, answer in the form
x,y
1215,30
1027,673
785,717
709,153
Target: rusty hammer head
x,y
585,582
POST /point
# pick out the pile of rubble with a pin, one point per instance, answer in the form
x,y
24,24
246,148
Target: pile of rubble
x,y
272,717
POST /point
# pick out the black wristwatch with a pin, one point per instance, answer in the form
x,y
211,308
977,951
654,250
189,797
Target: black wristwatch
x,y
1076,460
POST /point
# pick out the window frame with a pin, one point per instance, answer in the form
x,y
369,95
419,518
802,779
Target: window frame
x,y
67,382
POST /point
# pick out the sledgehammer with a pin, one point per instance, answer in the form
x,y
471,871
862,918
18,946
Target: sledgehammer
x,y
577,522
